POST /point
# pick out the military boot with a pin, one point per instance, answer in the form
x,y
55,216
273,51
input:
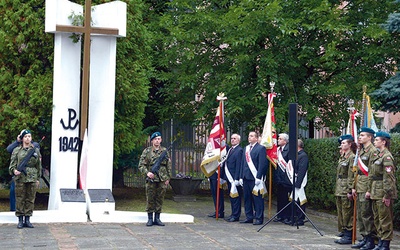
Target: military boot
x,y
20,222
377,247
341,234
150,219
157,220
346,239
385,245
369,245
360,244
28,223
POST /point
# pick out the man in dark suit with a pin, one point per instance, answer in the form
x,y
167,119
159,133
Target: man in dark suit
x,y
283,185
214,188
301,168
253,172
232,167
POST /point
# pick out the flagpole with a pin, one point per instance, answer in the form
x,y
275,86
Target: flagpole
x,y
272,85
221,99
354,232
219,168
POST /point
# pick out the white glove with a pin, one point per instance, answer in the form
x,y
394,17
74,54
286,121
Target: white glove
x,y
241,182
222,181
237,183
258,181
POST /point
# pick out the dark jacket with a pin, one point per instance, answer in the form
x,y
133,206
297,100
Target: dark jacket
x,y
259,157
301,167
234,162
280,176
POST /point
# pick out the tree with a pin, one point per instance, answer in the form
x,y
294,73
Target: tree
x,y
388,93
26,58
320,53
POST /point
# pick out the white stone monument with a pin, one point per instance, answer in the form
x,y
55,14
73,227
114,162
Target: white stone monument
x,y
108,21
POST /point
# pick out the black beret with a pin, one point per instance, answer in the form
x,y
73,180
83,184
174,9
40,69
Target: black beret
x,y
382,134
365,129
23,133
345,137
154,135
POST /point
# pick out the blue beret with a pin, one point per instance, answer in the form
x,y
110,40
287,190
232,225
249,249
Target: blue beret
x,y
382,134
23,133
154,135
345,137
367,130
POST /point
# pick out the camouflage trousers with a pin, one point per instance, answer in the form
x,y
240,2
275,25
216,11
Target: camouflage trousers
x,y
365,216
25,194
383,219
345,213
155,193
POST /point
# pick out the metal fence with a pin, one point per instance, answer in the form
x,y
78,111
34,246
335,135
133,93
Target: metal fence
x,y
188,148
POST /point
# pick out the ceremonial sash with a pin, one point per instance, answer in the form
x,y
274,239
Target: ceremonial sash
x,y
281,162
233,192
362,167
260,187
289,171
299,193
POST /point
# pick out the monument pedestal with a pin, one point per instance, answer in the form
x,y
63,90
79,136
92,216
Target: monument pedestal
x,y
100,204
72,200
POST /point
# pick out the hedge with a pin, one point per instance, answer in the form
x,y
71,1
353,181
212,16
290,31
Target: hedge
x,y
323,156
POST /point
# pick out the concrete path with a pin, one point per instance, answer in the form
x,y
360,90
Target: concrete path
x,y
203,233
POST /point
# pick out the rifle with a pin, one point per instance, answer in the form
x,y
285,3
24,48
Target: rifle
x,y
32,152
156,166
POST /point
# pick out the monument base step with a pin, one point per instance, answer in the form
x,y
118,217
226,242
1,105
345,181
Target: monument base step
x,y
59,216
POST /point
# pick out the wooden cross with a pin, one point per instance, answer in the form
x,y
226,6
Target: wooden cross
x,y
86,31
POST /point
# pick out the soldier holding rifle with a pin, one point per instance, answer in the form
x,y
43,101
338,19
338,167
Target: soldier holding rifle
x,y
366,158
155,164
27,167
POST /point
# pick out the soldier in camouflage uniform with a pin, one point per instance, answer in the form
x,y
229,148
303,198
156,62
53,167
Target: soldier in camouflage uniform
x,y
344,181
156,184
365,218
25,185
382,189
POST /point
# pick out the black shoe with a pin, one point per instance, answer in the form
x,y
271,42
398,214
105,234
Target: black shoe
x,y
27,223
228,218
20,222
343,241
157,220
247,221
221,216
149,219
360,244
232,219
277,219
258,222
288,222
341,234
369,245
211,215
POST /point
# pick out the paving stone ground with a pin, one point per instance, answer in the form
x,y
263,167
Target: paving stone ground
x,y
204,233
